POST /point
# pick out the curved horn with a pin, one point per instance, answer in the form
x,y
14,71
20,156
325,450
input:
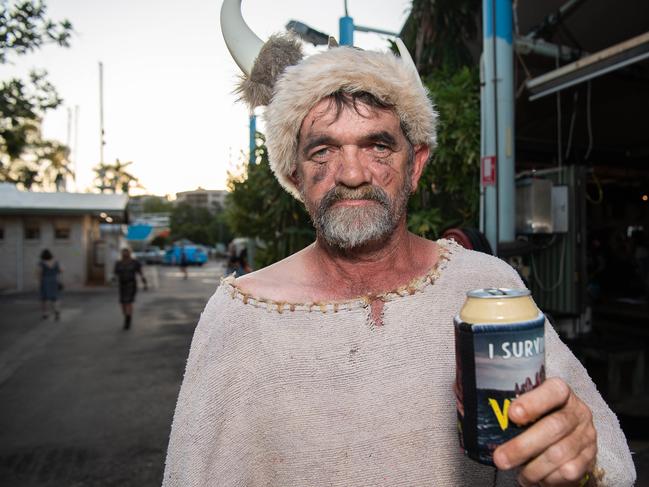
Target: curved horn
x,y
405,55
243,44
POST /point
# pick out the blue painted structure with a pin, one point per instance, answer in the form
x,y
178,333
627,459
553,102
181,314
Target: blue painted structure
x,y
138,233
497,211
194,254
346,28
252,127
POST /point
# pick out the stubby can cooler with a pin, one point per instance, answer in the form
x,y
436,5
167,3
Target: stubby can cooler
x,y
499,355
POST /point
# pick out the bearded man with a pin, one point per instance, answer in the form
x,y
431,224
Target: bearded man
x,y
336,365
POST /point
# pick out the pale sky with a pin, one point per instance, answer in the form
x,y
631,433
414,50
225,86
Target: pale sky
x,y
168,79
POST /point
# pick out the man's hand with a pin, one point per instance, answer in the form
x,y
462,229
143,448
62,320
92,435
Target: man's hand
x,y
560,447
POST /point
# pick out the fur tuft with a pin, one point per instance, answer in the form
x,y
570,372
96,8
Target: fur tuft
x,y
279,52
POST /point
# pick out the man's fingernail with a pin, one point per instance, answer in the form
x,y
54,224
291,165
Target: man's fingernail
x,y
518,411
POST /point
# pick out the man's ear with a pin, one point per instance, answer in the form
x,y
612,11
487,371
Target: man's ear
x,y
422,153
294,177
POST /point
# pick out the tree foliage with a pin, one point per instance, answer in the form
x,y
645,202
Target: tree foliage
x,y
447,195
439,33
198,225
157,205
258,207
114,178
25,157
25,27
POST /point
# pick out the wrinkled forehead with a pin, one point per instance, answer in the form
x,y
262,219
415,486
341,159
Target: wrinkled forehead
x,y
330,109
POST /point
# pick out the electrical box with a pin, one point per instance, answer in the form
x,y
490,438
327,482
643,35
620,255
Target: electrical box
x,y
534,206
560,209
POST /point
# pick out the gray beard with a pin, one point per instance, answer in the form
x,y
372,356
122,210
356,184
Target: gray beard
x,y
349,227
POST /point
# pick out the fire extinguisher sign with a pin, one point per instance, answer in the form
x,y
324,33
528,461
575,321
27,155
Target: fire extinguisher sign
x,y
488,170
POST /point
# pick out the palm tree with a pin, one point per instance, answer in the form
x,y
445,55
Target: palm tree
x,y
56,157
115,177
439,33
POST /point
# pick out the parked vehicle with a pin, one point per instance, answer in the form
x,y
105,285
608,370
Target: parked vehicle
x,y
150,255
194,255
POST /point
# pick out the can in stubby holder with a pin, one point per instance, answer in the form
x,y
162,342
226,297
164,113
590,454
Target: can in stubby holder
x,y
499,355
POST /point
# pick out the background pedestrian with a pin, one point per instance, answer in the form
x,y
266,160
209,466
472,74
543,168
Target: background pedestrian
x,y
49,272
125,270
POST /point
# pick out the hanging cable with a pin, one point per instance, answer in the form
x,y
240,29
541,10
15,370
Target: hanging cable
x,y
589,122
575,99
559,143
600,191
559,280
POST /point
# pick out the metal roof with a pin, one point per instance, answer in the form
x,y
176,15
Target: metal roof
x,y
14,201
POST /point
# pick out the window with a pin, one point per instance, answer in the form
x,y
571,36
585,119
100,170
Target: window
x,y
61,231
32,231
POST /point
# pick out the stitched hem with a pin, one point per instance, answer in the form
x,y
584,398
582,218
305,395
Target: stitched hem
x,y
418,284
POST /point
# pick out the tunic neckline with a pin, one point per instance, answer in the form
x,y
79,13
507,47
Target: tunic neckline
x,y
446,249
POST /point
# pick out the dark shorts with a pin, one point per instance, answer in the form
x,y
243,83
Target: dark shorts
x,y
127,292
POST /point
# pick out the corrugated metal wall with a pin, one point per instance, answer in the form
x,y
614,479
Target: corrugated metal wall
x,y
558,271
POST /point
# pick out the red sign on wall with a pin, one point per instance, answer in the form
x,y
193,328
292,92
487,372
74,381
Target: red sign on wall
x,y
488,170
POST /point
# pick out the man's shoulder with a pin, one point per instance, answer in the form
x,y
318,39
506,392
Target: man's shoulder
x,y
477,266
280,281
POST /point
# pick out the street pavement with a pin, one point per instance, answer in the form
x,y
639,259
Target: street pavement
x,y
84,402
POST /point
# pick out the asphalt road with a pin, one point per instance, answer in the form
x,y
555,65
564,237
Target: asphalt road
x,y
85,403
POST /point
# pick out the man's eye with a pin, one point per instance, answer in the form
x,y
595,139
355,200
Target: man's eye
x,y
381,148
320,153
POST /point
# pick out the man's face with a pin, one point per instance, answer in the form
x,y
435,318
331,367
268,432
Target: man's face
x,y
355,173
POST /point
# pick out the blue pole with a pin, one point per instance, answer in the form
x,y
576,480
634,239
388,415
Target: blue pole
x,y
253,144
498,121
346,25
488,127
505,105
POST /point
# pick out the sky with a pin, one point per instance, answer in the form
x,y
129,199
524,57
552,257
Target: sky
x,y
168,81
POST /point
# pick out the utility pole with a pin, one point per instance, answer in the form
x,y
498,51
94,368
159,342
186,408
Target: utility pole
x,y
102,142
75,152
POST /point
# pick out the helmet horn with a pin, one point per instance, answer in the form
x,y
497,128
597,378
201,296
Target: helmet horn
x,y
242,42
405,55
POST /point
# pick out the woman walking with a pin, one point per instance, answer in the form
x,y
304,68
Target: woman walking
x,y
125,269
49,271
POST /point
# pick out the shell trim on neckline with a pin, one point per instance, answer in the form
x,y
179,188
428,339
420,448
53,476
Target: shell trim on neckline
x,y
446,249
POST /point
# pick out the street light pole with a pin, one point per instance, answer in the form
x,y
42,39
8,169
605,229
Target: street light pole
x,y
252,160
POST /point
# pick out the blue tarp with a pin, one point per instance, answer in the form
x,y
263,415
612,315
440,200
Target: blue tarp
x,y
139,232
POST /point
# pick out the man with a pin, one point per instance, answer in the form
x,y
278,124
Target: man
x,y
126,270
335,366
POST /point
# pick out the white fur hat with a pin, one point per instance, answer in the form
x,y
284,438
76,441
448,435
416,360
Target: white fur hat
x,y
276,75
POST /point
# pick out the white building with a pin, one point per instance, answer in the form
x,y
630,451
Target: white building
x,y
83,232
203,198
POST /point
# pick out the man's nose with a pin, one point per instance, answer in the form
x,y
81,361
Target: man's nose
x,y
352,171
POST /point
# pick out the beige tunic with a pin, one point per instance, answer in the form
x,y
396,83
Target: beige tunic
x,y
318,395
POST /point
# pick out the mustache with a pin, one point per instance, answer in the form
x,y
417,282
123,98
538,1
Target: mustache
x,y
367,192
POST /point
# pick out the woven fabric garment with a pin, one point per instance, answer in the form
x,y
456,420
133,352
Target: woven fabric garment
x,y
279,394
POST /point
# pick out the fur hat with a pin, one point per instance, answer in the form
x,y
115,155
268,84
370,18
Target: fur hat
x,y
292,86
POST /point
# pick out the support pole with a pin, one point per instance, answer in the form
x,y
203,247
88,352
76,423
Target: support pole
x,y
346,25
253,134
498,120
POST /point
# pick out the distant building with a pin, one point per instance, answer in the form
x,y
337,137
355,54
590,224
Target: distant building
x,y
210,199
136,204
83,231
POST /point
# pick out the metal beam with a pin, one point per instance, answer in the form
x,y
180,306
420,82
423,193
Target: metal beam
x,y
589,67
526,45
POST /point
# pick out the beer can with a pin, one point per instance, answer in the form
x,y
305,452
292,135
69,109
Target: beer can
x,y
499,355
